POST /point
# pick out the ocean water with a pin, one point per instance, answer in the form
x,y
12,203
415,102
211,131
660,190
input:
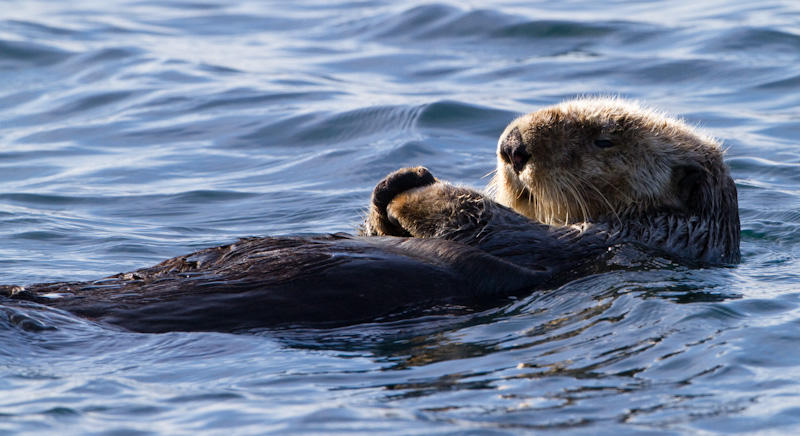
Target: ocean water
x,y
133,131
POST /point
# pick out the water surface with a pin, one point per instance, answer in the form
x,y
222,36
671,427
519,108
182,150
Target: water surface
x,y
133,131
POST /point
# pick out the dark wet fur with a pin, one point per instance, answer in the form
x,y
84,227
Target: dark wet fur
x,y
475,250
331,280
312,281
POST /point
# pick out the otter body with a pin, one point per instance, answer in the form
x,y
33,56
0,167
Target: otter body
x,y
574,182
318,281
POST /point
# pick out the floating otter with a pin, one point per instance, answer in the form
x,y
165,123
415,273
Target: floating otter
x,y
600,166
587,177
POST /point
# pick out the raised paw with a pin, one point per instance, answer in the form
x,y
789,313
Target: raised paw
x,y
380,221
411,202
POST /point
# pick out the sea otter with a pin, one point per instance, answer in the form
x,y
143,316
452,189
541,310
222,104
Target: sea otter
x,y
574,183
598,166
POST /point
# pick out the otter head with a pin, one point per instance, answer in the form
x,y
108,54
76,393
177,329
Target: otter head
x,y
608,160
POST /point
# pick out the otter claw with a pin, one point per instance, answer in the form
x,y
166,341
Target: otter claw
x,y
393,219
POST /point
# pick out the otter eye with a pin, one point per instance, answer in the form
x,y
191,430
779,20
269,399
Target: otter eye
x,y
603,143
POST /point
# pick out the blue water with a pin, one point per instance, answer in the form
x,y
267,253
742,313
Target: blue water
x,y
134,131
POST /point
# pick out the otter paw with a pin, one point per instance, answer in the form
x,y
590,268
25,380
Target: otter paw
x,y
397,182
380,221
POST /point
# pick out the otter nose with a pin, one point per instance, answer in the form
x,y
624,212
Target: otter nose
x,y
513,151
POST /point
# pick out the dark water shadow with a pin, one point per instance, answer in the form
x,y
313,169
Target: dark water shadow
x,y
426,335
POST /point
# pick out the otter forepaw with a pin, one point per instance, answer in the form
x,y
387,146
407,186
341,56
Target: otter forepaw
x,y
380,221
411,202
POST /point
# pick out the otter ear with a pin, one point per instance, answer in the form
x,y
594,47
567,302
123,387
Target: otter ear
x,y
686,181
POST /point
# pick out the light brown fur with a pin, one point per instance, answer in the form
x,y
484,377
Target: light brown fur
x,y
568,179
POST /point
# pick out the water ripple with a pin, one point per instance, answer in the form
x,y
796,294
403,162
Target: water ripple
x,y
18,55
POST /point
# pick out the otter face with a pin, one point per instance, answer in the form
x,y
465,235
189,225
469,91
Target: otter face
x,y
600,159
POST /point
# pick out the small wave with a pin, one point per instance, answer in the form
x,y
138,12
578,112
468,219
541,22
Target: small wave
x,y
77,105
18,55
231,24
691,72
208,196
463,117
546,29
327,129
442,21
411,22
46,200
770,227
790,84
248,98
29,27
755,40
781,174
31,318
438,21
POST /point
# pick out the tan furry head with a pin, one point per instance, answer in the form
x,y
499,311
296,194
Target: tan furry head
x,y
611,160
